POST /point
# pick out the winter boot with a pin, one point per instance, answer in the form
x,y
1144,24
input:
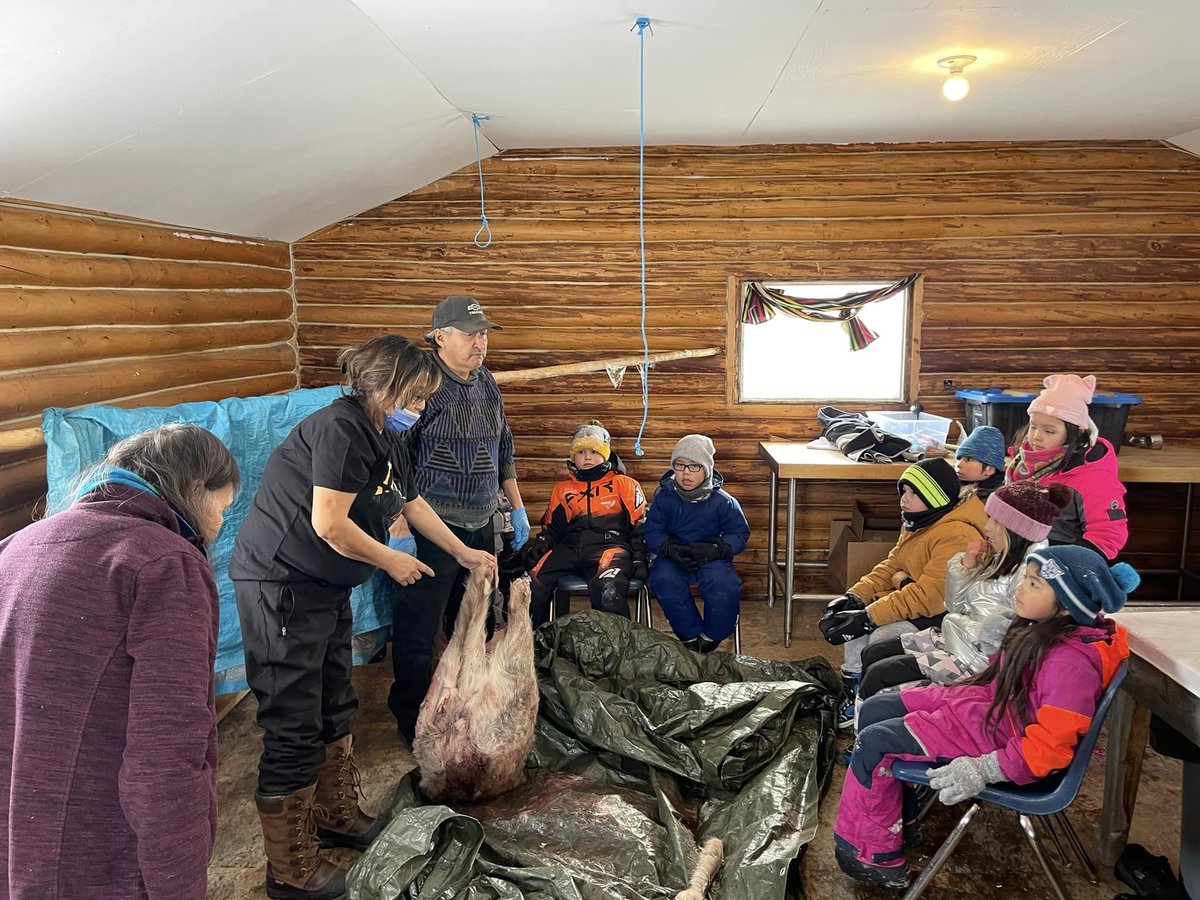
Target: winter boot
x,y
340,823
895,877
693,644
850,682
707,644
295,870
613,599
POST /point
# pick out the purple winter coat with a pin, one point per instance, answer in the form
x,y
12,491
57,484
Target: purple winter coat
x,y
108,738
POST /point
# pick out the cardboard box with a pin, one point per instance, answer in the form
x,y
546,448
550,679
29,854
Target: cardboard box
x,y
857,545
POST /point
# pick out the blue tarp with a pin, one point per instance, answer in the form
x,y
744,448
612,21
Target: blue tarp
x,y
251,428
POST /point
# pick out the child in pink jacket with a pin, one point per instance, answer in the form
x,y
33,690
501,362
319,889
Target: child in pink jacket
x,y
993,727
1060,446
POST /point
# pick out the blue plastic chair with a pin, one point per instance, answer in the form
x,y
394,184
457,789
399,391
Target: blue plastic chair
x,y
573,584
1045,800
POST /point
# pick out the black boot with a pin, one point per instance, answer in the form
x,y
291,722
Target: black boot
x,y
708,645
894,877
693,644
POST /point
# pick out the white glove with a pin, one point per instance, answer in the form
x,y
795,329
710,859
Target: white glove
x,y
965,777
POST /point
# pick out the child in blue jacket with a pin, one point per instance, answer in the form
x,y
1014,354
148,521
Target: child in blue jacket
x,y
696,529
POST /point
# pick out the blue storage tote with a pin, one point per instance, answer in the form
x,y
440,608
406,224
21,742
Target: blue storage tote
x,y
1009,412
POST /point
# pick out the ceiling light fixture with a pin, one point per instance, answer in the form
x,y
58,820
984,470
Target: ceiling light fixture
x,y
956,86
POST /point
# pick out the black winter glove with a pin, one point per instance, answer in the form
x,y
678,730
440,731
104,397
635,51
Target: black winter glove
x,y
680,554
704,552
640,570
840,627
533,551
845,602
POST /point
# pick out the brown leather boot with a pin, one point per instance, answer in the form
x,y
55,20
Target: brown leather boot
x,y
340,822
295,870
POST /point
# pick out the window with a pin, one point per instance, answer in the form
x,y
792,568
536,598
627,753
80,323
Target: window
x,y
789,359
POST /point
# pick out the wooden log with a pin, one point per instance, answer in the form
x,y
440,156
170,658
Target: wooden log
x,y
1156,314
16,518
875,161
499,360
615,187
1143,361
25,435
21,349
23,483
40,267
71,307
427,294
604,341
1034,336
960,224
416,318
525,375
43,229
29,392
581,273
712,249
809,207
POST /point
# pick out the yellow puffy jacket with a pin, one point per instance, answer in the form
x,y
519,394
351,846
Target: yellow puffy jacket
x,y
923,554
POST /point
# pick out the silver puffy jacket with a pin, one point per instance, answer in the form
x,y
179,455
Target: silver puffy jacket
x,y
978,612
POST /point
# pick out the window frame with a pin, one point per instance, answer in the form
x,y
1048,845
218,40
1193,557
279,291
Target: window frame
x,y
910,379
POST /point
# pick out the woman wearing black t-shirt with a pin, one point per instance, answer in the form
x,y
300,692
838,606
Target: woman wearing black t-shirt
x,y
318,526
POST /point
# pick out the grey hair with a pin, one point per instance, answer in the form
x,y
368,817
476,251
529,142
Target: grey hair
x,y
179,460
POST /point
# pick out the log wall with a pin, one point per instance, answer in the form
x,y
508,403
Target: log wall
x,y
96,308
1036,258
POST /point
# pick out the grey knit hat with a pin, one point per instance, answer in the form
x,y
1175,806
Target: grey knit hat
x,y
698,448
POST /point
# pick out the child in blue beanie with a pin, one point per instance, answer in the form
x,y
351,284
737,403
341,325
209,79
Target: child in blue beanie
x,y
979,462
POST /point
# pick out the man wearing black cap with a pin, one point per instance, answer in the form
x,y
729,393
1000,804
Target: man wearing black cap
x,y
462,453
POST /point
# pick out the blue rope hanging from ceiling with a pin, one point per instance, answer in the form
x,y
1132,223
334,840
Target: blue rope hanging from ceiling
x,y
484,227
642,24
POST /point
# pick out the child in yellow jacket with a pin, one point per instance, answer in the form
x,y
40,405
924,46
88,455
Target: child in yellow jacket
x,y
937,525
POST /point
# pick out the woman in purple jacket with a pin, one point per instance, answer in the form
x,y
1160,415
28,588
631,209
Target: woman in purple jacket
x,y
108,631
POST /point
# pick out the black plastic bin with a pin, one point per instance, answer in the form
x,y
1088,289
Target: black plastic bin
x,y
1010,412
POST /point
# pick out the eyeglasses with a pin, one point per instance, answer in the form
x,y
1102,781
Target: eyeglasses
x,y
687,467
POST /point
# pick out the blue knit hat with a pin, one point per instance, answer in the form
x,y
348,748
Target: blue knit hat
x,y
985,444
1083,581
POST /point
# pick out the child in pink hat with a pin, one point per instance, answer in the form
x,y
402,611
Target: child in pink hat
x,y
1061,446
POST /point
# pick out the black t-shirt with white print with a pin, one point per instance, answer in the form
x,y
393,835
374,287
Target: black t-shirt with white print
x,y
337,448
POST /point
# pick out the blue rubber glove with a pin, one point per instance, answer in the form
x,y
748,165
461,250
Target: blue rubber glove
x,y
520,524
406,544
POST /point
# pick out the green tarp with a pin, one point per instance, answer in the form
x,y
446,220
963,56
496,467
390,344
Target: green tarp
x,y
643,750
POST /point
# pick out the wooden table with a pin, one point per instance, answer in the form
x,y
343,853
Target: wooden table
x,y
1164,679
799,462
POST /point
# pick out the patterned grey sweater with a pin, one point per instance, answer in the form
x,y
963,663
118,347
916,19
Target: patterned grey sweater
x,y
462,448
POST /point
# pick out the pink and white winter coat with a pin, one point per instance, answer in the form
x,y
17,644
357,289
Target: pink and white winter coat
x,y
1096,516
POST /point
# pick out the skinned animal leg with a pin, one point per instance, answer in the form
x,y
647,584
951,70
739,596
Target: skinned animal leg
x,y
707,865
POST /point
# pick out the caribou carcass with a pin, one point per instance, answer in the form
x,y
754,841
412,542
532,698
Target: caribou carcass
x,y
476,724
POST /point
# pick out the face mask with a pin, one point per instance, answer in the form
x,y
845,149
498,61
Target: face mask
x,y
402,419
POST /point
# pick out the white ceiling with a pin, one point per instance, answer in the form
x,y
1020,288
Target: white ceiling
x,y
273,118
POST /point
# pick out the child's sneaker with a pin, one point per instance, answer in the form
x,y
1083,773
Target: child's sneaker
x,y
846,716
895,877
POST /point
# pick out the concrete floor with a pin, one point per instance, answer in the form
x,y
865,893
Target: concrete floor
x,y
992,862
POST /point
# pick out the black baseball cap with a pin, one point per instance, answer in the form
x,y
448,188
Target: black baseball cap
x,y
461,312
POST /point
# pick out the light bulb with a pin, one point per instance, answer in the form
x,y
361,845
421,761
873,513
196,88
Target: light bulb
x,y
956,87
